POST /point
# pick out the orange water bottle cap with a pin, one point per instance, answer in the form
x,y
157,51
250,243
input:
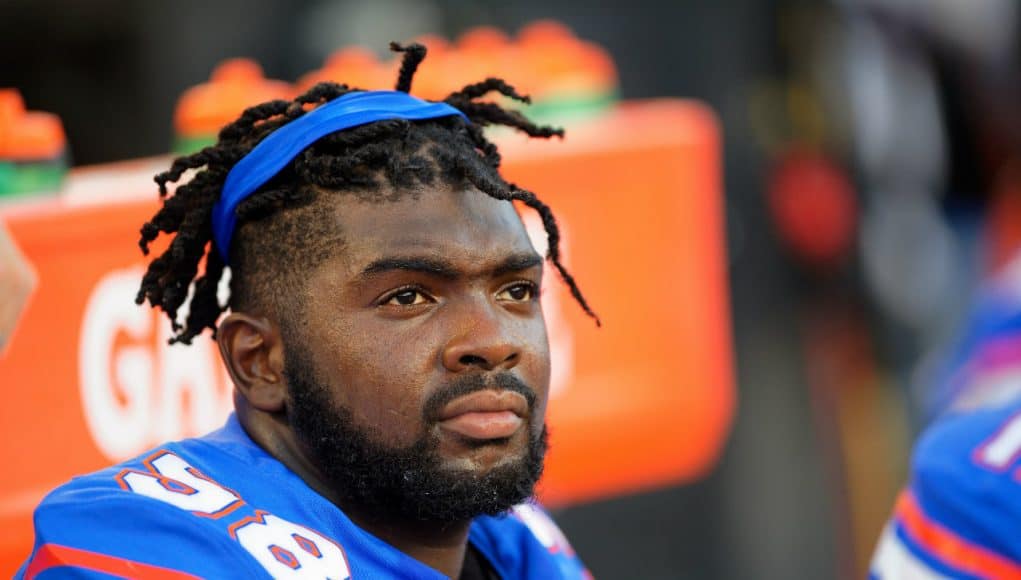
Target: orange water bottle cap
x,y
431,80
28,135
434,43
545,33
590,67
483,39
234,85
565,65
486,51
354,66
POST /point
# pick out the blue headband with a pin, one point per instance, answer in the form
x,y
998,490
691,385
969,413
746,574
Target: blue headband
x,y
281,146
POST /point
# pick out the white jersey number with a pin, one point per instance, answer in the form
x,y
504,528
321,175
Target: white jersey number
x,y
287,550
1002,450
283,548
172,480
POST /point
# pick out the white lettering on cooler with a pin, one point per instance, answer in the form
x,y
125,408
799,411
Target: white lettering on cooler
x,y
136,390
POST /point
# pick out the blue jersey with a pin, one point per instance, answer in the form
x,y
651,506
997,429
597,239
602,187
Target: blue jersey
x,y
221,507
960,516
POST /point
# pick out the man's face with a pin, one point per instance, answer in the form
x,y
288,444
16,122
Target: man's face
x,y
421,355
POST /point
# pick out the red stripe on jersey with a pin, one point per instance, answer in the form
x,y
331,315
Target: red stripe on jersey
x,y
53,556
947,546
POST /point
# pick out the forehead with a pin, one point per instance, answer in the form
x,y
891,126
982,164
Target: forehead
x,y
460,225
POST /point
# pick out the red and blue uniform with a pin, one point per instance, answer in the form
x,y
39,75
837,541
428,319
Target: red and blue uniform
x,y
960,516
219,506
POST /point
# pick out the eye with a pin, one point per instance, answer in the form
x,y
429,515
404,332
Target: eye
x,y
406,297
519,292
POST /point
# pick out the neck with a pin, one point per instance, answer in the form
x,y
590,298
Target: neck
x,y
440,545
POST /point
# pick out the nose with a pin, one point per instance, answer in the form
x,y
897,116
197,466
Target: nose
x,y
486,343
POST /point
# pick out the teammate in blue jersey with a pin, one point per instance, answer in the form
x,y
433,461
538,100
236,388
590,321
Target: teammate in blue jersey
x,y
960,516
386,344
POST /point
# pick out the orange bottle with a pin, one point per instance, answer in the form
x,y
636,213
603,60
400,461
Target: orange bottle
x,y
203,110
570,77
354,66
33,148
486,51
431,79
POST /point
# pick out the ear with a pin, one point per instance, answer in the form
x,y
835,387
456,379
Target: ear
x,y
253,351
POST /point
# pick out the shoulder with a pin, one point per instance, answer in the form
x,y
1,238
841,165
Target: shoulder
x,y
962,508
970,458
198,507
526,543
94,526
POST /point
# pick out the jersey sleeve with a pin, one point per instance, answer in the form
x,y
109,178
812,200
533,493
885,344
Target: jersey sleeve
x,y
100,534
960,515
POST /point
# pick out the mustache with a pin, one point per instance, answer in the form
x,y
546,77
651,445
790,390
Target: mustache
x,y
468,384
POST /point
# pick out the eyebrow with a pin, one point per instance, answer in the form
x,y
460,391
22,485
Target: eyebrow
x,y
517,263
444,269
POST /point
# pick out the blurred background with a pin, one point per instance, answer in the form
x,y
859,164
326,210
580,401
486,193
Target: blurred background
x,y
871,180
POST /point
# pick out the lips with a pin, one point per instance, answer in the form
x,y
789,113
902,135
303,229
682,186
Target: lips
x,y
487,414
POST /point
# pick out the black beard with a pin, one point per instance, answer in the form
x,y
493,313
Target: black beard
x,y
410,482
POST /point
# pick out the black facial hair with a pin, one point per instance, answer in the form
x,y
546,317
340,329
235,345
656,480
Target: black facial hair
x,y
409,482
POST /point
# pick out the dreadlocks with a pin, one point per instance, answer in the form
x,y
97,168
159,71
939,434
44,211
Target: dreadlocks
x,y
381,160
